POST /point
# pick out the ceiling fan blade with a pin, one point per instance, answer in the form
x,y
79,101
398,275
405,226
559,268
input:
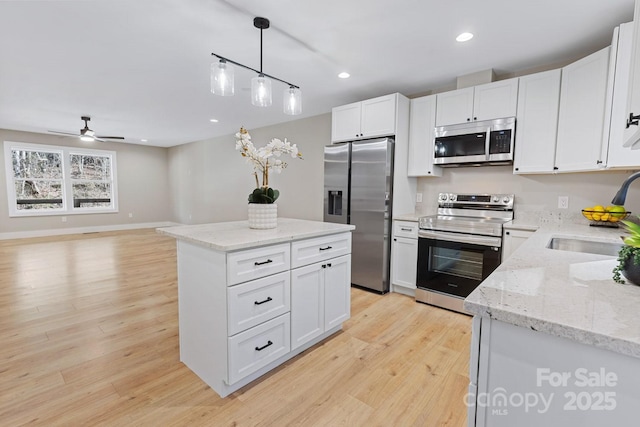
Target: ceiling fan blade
x,y
63,133
110,137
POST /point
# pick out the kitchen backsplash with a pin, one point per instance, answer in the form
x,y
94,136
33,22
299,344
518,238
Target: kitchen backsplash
x,y
536,199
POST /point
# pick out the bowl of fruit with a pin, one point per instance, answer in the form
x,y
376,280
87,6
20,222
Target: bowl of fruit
x,y
601,216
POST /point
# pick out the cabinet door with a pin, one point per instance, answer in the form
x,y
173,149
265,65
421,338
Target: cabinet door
x,y
512,240
422,121
582,110
345,122
307,304
378,117
633,103
454,107
537,121
495,100
404,262
337,291
617,154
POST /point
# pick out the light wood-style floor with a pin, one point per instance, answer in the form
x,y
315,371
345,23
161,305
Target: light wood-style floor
x,y
89,336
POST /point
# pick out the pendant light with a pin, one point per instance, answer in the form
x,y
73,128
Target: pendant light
x,y
292,101
222,80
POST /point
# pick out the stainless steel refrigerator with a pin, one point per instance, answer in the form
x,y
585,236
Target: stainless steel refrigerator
x,y
358,190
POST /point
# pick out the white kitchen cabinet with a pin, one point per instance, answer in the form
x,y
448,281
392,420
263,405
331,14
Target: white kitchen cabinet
x,y
633,101
617,155
581,120
494,100
422,121
320,298
512,239
245,311
366,119
537,122
527,378
404,257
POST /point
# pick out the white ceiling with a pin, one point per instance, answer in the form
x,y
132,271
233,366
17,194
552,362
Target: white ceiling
x,y
140,68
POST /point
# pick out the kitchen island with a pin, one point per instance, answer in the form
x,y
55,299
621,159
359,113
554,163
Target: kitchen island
x,y
251,299
555,340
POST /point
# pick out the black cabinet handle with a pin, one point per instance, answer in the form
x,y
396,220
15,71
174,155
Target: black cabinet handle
x,y
475,118
326,249
508,233
329,265
262,302
263,262
599,162
264,346
324,265
468,119
405,229
555,168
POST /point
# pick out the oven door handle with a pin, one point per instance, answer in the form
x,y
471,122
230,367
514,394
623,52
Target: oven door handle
x,y
461,238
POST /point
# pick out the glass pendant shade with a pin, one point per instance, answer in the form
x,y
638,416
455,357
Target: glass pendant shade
x,y
292,101
261,91
222,78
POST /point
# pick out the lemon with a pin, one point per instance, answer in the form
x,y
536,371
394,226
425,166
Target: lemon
x,y
598,208
605,216
596,216
587,214
616,213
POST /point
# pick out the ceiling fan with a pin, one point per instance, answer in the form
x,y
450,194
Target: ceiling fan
x,y
87,134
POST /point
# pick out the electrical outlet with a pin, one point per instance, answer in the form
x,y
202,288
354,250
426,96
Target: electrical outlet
x,y
130,215
563,202
418,197
64,219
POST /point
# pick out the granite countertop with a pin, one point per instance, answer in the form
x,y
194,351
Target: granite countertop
x,y
517,224
563,293
231,236
407,217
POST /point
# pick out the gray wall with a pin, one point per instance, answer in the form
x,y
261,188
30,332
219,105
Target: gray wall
x,y
142,186
210,181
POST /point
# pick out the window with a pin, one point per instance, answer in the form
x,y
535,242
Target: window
x,y
48,180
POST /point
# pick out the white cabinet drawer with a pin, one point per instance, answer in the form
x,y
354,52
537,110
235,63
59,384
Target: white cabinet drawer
x,y
250,264
405,229
305,252
257,301
257,347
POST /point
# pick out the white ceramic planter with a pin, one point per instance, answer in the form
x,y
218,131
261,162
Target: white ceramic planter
x,y
263,216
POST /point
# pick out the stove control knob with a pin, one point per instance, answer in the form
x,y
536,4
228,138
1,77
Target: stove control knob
x,y
443,197
506,199
452,197
496,199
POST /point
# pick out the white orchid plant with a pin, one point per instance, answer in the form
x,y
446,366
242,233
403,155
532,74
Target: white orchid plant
x,y
265,159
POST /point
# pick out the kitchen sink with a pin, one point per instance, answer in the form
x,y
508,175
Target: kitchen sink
x,y
585,246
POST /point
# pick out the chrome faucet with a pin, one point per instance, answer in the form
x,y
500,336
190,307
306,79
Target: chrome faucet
x,y
621,195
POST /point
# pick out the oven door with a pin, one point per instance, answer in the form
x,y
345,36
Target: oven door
x,y
455,263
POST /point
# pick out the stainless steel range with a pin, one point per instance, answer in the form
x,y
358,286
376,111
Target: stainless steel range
x,y
460,246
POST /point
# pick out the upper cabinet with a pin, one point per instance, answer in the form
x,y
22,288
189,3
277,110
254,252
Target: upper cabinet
x,y
618,155
484,102
422,120
581,120
366,119
537,121
633,102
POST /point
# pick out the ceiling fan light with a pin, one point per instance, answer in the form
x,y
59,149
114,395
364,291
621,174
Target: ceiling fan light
x,y
261,91
87,138
222,78
292,101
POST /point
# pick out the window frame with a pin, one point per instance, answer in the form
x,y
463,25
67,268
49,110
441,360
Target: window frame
x,y
67,182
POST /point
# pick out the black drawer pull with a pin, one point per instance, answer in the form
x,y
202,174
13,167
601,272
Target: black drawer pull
x,y
262,302
326,249
405,229
329,265
264,346
263,262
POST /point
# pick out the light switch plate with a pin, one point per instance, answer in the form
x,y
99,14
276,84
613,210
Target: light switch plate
x,y
418,197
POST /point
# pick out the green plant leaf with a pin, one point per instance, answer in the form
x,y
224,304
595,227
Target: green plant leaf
x,y
632,227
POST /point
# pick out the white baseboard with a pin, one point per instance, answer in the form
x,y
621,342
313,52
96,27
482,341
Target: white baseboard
x,y
80,230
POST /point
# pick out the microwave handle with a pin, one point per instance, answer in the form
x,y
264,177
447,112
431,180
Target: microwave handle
x,y
487,143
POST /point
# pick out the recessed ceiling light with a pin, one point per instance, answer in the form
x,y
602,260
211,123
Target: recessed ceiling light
x,y
464,37
344,75
143,140
213,120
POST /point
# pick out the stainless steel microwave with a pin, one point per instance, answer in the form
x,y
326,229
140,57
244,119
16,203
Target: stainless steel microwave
x,y
483,142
